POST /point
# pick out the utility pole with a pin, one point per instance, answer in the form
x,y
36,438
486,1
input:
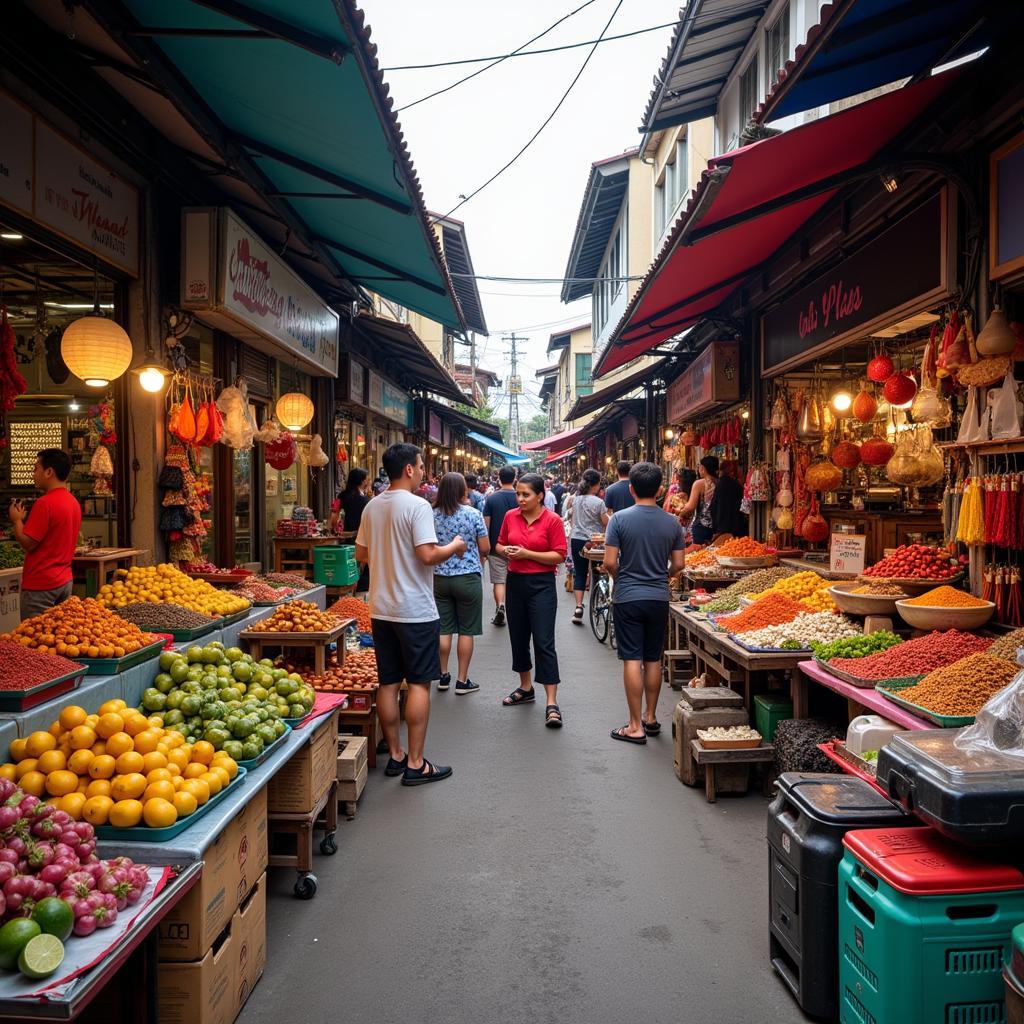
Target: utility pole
x,y
515,389
472,365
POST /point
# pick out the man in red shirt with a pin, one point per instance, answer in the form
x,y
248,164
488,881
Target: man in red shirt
x,y
49,537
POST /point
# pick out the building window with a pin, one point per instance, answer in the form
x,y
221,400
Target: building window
x,y
748,93
584,383
776,49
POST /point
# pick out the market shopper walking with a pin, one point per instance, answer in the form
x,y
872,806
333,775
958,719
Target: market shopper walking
x,y
458,589
49,537
588,516
640,545
618,495
353,500
532,538
397,539
496,506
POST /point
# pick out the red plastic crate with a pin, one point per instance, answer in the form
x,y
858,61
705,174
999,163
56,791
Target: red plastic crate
x,y
920,862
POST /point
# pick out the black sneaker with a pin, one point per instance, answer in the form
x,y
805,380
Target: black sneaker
x,y
467,687
499,616
445,681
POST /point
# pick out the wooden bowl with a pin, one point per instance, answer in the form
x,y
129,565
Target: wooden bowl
x,y
924,617
761,562
862,604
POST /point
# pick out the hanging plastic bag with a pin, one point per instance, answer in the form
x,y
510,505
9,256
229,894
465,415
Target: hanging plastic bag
x,y
999,725
316,456
269,432
1005,410
974,426
239,427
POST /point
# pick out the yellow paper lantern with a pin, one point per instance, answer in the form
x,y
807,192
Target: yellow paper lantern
x,y
96,350
294,410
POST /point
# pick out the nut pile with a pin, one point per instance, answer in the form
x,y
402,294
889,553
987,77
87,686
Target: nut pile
x,y
1006,647
962,688
757,581
859,646
164,616
947,597
358,672
808,627
728,732
915,657
297,617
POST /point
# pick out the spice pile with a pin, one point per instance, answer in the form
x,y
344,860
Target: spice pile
x,y
259,592
722,604
914,561
947,597
78,628
1006,647
772,610
807,627
297,617
742,547
756,581
701,559
159,584
25,668
880,588
284,579
962,688
860,646
164,616
352,608
914,657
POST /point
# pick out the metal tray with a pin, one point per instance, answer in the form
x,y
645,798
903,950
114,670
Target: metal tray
x,y
769,650
867,684
112,666
230,620
145,834
946,721
24,700
252,762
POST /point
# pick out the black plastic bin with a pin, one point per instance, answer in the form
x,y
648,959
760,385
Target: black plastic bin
x,y
806,824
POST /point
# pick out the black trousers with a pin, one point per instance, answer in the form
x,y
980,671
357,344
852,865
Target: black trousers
x,y
531,601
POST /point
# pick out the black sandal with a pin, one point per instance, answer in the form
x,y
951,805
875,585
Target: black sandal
x,y
519,696
553,717
396,768
618,734
426,773
652,728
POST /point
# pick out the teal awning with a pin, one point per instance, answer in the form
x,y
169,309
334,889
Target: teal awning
x,y
513,458
289,96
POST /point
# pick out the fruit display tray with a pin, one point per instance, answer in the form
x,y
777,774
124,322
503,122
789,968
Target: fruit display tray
x,y
25,700
867,684
252,762
113,666
221,577
145,834
738,639
230,620
729,744
328,636
946,721
182,635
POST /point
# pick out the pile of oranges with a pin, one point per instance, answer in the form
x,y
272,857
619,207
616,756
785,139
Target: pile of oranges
x,y
78,628
118,767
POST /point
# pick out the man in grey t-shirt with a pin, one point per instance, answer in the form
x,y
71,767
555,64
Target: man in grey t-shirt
x,y
641,543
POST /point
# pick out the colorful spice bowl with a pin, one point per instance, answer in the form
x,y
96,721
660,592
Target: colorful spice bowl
x,y
928,617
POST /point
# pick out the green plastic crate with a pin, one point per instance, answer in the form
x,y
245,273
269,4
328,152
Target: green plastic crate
x,y
768,712
921,959
335,565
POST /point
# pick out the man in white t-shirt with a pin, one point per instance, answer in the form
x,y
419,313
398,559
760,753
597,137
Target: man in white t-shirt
x,y
396,537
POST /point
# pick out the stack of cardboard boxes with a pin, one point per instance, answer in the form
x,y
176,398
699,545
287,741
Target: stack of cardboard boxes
x,y
213,944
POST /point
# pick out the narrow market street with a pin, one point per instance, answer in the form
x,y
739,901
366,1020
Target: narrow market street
x,y
558,876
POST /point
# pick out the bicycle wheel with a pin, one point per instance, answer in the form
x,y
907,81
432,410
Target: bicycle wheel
x,y
600,609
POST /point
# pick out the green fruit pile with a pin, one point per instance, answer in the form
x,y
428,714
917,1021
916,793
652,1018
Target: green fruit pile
x,y
225,697
856,646
11,556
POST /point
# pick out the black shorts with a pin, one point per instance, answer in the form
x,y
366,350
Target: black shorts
x,y
407,650
640,629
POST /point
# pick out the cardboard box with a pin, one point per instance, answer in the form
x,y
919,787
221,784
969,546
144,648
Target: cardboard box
x,y
231,867
352,753
297,787
204,991
251,932
352,789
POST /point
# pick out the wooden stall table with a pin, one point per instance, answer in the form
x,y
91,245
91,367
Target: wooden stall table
x,y
709,759
304,565
318,643
98,566
858,699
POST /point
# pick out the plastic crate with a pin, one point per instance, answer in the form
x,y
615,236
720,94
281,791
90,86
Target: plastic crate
x,y
924,929
768,712
335,565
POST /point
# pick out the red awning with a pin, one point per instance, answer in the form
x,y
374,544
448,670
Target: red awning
x,y
559,455
749,203
566,439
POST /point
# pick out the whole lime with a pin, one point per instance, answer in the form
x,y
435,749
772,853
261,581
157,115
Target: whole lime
x,y
54,917
14,936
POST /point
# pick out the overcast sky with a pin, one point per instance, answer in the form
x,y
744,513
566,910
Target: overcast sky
x,y
522,224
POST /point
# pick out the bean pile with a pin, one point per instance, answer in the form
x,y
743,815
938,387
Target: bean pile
x,y
757,581
915,657
284,579
1006,647
880,588
947,597
796,745
25,668
352,608
772,610
722,604
808,627
164,616
860,646
962,688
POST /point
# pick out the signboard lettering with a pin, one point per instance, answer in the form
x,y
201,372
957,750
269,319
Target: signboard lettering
x,y
846,553
713,378
15,155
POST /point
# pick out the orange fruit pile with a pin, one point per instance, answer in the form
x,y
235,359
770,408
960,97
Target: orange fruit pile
x,y
118,767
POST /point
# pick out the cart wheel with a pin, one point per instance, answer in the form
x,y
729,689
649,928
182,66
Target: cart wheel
x,y
305,887
328,845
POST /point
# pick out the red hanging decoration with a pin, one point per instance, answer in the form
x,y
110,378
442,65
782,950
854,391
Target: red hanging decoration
x,y
12,383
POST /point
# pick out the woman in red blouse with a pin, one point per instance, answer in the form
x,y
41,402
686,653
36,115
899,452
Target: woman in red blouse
x,y
533,541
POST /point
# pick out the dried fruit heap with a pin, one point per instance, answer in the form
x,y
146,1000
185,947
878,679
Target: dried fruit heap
x,y
78,628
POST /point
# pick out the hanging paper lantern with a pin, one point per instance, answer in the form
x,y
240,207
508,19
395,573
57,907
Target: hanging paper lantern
x,y
881,368
281,453
900,389
294,410
846,455
876,451
865,406
96,350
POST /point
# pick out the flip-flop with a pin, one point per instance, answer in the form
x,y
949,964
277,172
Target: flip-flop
x,y
519,696
618,734
652,728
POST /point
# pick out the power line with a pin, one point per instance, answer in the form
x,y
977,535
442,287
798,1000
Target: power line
x,y
495,61
548,280
533,138
497,58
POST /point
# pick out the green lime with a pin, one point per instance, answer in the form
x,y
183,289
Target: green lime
x,y
41,956
54,916
13,938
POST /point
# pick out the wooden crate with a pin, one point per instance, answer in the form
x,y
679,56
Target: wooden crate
x,y
299,786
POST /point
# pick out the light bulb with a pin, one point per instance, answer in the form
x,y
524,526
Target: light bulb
x,y
152,379
745,415
669,433
842,400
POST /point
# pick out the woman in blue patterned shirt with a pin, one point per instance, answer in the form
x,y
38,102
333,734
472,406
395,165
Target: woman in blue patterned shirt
x,y
458,591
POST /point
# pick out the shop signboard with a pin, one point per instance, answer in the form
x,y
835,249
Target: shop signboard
x,y
898,273
713,378
846,553
396,404
15,155
375,398
356,382
630,427
434,427
236,282
1006,210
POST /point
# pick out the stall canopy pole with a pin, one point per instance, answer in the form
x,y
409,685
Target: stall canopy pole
x,y
650,428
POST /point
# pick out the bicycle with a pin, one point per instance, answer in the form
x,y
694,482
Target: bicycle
x,y
602,623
